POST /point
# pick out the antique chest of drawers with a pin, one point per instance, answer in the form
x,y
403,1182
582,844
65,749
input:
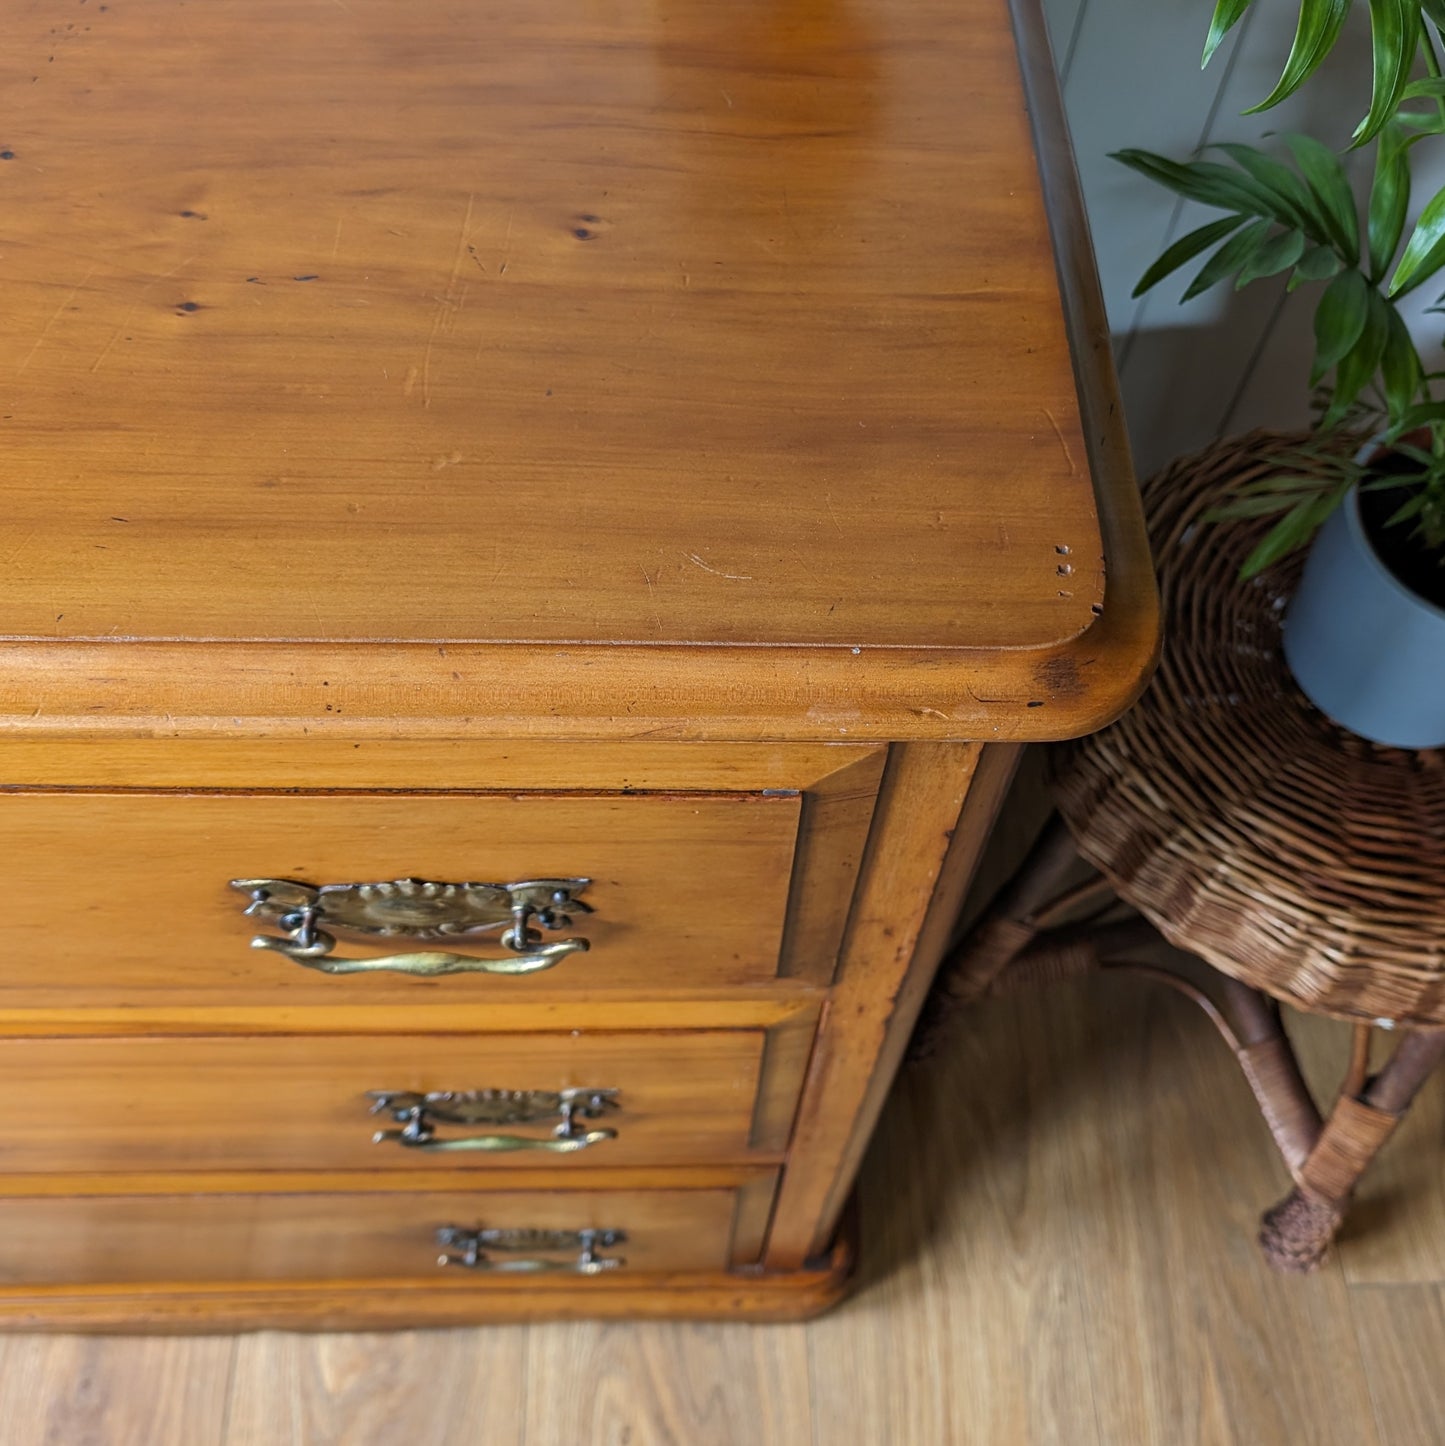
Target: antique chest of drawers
x,y
532,536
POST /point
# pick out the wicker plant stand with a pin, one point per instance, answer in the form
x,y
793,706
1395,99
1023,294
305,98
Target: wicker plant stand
x,y
1226,814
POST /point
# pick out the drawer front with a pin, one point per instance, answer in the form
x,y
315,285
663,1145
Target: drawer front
x,y
292,1103
127,898
100,1240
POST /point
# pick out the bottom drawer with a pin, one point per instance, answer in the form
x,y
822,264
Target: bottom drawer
x,y
129,1239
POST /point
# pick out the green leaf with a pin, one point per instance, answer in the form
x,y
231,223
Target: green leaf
x,y
1424,89
1226,15
1412,508
1427,414
1394,39
1259,504
1428,123
1357,368
1425,250
1229,258
1277,254
1292,531
1401,374
1339,319
1204,181
1317,264
1326,178
1295,203
1435,9
1186,249
1318,29
1389,200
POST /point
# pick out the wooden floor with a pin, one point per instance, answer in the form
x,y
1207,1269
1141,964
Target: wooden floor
x,y
1060,1221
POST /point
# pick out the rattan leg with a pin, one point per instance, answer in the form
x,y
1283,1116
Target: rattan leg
x,y
1269,1064
1297,1232
1006,929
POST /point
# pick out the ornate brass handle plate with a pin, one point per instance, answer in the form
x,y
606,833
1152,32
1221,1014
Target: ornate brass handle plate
x,y
418,1115
474,1245
419,910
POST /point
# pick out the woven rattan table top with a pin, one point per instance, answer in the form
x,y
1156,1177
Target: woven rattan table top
x,y
1238,819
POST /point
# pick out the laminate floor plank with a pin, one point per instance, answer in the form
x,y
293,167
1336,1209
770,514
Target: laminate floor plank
x,y
1401,1331
418,1388
666,1384
113,1391
1192,1339
977,1336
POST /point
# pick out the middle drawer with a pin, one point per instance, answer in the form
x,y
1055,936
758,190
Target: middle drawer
x,y
306,1102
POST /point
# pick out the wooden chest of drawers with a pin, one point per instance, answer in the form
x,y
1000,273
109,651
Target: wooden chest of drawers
x,y
532,538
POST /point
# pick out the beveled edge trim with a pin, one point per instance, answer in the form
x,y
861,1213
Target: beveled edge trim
x,y
661,694
1128,631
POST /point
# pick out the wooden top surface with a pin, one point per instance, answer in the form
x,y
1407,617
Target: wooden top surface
x,y
592,323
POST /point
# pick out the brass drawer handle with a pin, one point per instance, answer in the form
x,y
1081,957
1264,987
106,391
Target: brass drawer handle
x,y
474,1243
418,1114
417,909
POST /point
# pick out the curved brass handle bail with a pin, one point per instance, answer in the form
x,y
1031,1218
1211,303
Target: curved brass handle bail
x,y
536,1265
474,1244
426,964
498,1144
417,909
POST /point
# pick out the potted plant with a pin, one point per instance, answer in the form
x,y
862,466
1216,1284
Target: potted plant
x,y
1365,631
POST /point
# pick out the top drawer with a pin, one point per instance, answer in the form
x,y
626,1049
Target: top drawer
x,y
122,897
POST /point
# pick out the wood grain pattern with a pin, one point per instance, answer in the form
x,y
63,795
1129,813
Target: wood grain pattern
x,y
87,1392
832,833
659,1385
356,693
314,762
354,1390
687,297
1400,1330
688,890
688,1009
377,1237
757,423
918,812
266,1103
831,370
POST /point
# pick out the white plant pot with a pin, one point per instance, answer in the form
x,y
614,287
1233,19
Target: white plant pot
x,y
1365,648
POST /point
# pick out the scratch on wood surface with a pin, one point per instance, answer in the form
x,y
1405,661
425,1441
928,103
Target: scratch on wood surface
x,y
336,242
54,317
507,244
20,546
652,597
1068,455
449,303
731,576
828,503
116,335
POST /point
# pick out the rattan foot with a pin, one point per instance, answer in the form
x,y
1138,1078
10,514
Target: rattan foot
x,y
1296,1234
